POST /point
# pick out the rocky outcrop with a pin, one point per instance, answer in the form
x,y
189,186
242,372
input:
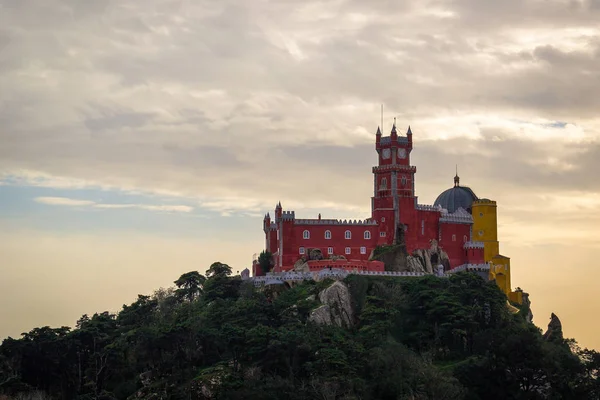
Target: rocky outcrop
x,y
395,258
554,332
336,308
301,265
315,254
527,304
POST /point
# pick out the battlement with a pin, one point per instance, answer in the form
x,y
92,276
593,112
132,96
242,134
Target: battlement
x,y
427,207
367,222
460,216
473,245
395,167
470,267
288,215
280,278
484,202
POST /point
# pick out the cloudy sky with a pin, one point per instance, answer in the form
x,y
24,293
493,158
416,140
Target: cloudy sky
x,y
143,139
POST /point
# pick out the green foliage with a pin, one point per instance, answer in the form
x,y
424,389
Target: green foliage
x,y
380,250
265,260
414,338
189,285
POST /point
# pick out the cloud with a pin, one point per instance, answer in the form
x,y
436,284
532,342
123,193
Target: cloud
x,y
235,106
64,201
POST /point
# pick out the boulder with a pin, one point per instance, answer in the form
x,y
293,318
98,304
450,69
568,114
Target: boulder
x,y
315,254
336,308
301,265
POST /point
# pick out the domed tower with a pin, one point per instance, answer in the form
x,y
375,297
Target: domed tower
x,y
456,197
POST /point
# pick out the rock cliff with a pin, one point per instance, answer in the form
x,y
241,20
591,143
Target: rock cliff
x,y
396,258
554,331
336,307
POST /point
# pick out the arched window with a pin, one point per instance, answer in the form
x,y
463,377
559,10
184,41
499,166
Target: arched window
x,y
330,250
363,250
327,234
347,250
454,238
348,235
383,184
306,235
301,250
465,238
403,180
367,234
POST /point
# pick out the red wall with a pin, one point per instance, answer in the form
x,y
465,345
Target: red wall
x,y
293,240
454,249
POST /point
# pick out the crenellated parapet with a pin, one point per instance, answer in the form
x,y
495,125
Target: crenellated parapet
x,y
334,273
427,207
366,222
470,267
395,167
473,245
288,215
485,202
460,216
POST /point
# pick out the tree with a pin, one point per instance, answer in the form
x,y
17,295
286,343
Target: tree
x,y
218,269
265,260
189,285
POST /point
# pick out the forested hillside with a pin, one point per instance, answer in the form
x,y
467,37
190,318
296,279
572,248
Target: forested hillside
x,y
214,336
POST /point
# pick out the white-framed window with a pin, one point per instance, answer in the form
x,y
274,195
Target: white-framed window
x,y
301,250
348,235
382,219
383,184
363,250
381,234
327,234
367,235
403,180
480,233
422,227
465,238
306,235
454,238
330,250
347,250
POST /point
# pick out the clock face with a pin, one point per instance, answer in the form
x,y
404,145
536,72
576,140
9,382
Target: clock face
x,y
401,153
386,153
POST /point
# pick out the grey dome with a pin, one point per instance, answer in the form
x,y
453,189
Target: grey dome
x,y
456,197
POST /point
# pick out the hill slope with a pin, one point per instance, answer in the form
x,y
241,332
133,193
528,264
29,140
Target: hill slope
x,y
364,338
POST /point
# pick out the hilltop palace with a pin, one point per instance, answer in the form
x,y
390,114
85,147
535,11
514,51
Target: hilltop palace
x,y
458,225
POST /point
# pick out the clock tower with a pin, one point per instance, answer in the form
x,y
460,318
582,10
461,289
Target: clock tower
x,y
394,188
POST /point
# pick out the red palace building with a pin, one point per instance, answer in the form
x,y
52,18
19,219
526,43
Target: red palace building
x,y
394,207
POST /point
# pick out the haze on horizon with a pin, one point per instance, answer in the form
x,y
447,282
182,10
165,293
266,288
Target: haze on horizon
x,y
142,140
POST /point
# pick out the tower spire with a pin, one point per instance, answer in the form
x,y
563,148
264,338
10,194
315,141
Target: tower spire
x,y
394,126
456,178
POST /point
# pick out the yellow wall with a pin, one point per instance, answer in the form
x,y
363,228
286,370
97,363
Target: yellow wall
x,y
500,271
485,227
